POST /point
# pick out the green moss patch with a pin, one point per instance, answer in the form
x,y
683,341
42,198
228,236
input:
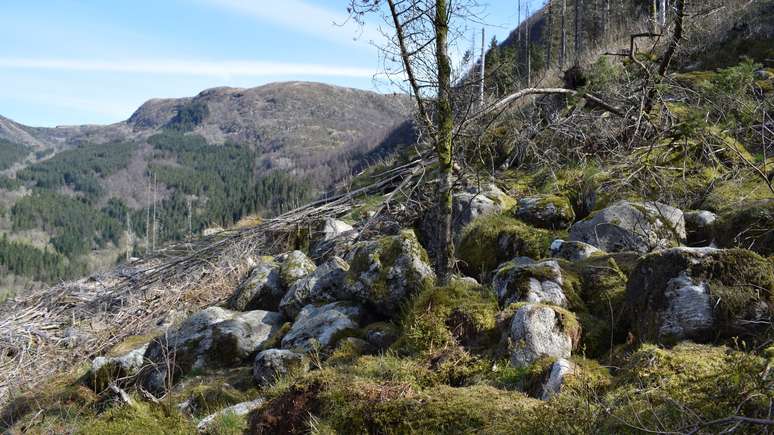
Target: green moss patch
x,y
749,226
494,239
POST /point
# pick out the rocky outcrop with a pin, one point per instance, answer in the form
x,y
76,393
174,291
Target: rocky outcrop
x,y
333,238
273,363
538,331
105,370
212,338
383,273
546,211
573,251
700,294
326,284
261,290
523,280
317,328
629,226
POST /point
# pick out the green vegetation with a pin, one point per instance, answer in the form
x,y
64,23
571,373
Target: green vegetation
x,y
189,116
80,168
11,153
39,264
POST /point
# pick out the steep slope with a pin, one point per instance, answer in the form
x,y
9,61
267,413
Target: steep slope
x,y
214,158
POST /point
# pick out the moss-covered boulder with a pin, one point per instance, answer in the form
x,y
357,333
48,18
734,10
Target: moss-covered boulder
x,y
630,226
325,284
210,339
271,364
261,290
295,265
573,251
384,273
749,226
552,212
320,328
118,369
699,226
702,294
538,330
523,280
492,240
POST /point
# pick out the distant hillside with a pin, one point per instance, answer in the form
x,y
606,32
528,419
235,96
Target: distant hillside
x,y
216,157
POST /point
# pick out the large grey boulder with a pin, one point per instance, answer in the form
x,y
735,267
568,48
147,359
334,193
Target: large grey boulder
x,y
573,251
383,273
261,290
317,327
295,266
546,211
538,331
325,284
699,226
106,370
560,369
273,363
630,226
529,281
210,339
699,294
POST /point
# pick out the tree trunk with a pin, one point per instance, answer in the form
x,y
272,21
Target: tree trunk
x,y
578,18
563,51
549,33
443,145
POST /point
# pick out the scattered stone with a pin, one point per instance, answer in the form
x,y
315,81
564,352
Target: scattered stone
x,y
629,226
239,409
295,266
212,338
325,284
273,363
573,251
261,290
318,327
699,294
542,330
699,227
559,370
107,370
333,238
546,211
381,335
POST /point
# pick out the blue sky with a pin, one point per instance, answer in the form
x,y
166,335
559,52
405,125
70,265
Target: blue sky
x,y
68,62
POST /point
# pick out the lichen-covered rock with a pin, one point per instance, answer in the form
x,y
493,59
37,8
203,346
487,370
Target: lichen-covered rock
x,y
325,284
261,290
212,338
105,370
749,226
538,330
545,211
628,226
319,327
534,282
559,370
273,363
492,240
701,294
383,273
295,266
573,251
699,227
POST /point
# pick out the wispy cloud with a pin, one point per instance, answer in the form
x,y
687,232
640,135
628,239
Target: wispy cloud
x,y
188,67
305,17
